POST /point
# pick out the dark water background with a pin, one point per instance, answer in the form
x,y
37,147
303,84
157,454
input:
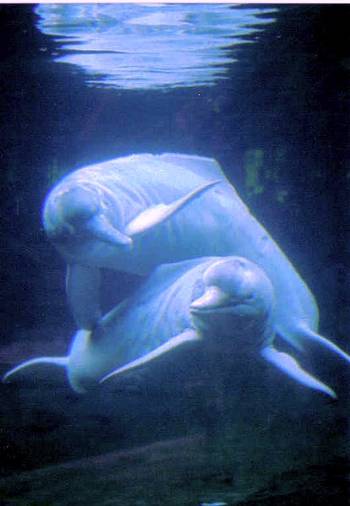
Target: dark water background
x,y
279,128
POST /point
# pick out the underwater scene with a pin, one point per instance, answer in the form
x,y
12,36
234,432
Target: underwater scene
x,y
175,254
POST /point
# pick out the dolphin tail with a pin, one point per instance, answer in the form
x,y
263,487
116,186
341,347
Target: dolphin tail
x,y
60,361
153,216
303,334
287,364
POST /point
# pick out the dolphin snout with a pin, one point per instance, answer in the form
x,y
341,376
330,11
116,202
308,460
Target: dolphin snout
x,y
212,298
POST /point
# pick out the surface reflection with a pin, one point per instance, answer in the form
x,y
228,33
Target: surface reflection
x,y
139,46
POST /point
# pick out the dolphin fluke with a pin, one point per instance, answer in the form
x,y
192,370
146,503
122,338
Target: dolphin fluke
x,y
59,361
157,214
287,364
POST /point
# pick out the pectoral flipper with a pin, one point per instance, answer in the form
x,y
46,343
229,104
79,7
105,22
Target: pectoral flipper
x,y
287,364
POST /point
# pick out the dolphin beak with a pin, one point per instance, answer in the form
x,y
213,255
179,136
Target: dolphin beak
x,y
212,298
101,229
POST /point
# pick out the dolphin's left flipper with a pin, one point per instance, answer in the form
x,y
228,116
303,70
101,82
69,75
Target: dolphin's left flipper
x,y
83,292
59,361
292,368
185,337
307,334
155,215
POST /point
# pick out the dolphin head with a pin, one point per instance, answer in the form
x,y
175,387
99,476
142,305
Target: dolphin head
x,y
238,298
78,214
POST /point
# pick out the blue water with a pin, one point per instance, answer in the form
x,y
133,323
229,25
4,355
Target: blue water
x,y
147,46
264,91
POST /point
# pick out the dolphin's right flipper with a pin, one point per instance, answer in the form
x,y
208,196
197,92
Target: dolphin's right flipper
x,y
185,337
83,292
155,215
60,361
287,364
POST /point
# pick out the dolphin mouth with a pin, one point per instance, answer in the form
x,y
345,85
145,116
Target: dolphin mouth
x,y
211,309
216,301
237,310
213,298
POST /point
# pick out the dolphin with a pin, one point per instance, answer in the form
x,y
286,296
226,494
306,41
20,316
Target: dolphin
x,y
136,212
218,302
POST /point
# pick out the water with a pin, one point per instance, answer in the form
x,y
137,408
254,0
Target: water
x,y
147,46
264,91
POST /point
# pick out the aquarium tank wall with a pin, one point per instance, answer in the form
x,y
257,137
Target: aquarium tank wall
x,y
175,254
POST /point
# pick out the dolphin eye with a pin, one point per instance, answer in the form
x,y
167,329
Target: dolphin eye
x,y
77,206
61,233
198,289
79,213
235,300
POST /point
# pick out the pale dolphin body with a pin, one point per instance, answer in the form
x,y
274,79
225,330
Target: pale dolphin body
x,y
213,302
134,213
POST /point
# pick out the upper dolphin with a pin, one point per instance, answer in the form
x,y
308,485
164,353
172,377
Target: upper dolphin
x,y
136,212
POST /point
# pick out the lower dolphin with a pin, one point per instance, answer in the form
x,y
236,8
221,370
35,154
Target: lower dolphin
x,y
210,302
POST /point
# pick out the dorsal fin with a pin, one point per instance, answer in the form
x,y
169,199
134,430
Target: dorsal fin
x,y
207,168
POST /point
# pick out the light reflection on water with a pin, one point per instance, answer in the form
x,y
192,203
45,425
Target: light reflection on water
x,y
139,46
